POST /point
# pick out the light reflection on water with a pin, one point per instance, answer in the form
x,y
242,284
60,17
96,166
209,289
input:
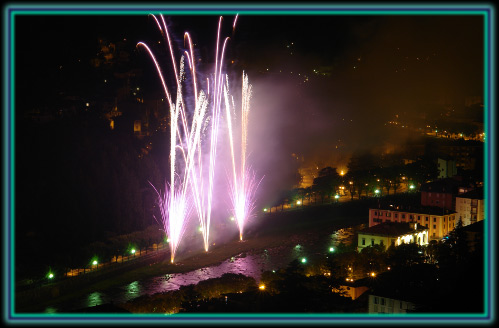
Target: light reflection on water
x,y
94,299
252,265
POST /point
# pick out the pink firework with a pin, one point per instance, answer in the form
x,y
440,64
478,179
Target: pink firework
x,y
243,184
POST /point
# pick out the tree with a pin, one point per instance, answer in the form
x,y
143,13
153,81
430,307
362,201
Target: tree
x,y
327,182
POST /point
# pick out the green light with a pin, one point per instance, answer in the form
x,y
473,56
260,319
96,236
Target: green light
x,y
133,251
331,249
94,262
411,186
336,196
201,229
303,260
167,240
377,191
51,275
265,210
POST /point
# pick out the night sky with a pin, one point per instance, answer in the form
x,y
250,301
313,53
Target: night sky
x,y
376,67
319,82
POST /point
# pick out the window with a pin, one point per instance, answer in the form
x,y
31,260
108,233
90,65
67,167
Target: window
x,y
434,226
424,239
376,300
375,213
434,219
388,214
390,302
426,225
396,215
393,242
372,242
419,217
426,219
444,218
401,307
383,301
411,217
433,234
403,216
363,241
375,309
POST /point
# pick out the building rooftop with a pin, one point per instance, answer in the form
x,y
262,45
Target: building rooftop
x,y
393,229
447,186
430,210
473,194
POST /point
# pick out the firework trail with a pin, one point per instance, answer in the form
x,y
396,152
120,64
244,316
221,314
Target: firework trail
x,y
187,161
243,184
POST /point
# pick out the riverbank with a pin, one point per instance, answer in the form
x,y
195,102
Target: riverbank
x,y
272,230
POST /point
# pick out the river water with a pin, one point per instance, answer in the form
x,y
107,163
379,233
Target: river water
x,y
252,265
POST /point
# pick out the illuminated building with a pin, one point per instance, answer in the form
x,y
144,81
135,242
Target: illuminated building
x,y
392,233
438,221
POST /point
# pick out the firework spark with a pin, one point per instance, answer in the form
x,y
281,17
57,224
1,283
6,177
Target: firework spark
x,y
243,184
190,169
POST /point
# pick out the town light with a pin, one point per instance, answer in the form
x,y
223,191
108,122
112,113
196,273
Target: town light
x,y
411,187
298,202
133,251
373,274
261,287
376,191
336,196
94,262
51,275
232,218
331,249
303,260
265,210
200,229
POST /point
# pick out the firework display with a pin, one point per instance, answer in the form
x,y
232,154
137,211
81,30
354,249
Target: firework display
x,y
193,143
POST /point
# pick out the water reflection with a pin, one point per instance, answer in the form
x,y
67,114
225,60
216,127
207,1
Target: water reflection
x,y
50,310
94,299
133,289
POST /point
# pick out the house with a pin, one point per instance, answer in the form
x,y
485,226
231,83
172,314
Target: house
x,y
392,233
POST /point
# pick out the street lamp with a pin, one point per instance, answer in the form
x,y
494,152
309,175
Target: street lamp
x,y
331,249
376,191
304,260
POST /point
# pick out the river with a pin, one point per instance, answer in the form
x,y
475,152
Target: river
x,y
249,264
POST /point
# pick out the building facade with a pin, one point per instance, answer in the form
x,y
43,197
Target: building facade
x,y
392,234
439,222
470,207
380,304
